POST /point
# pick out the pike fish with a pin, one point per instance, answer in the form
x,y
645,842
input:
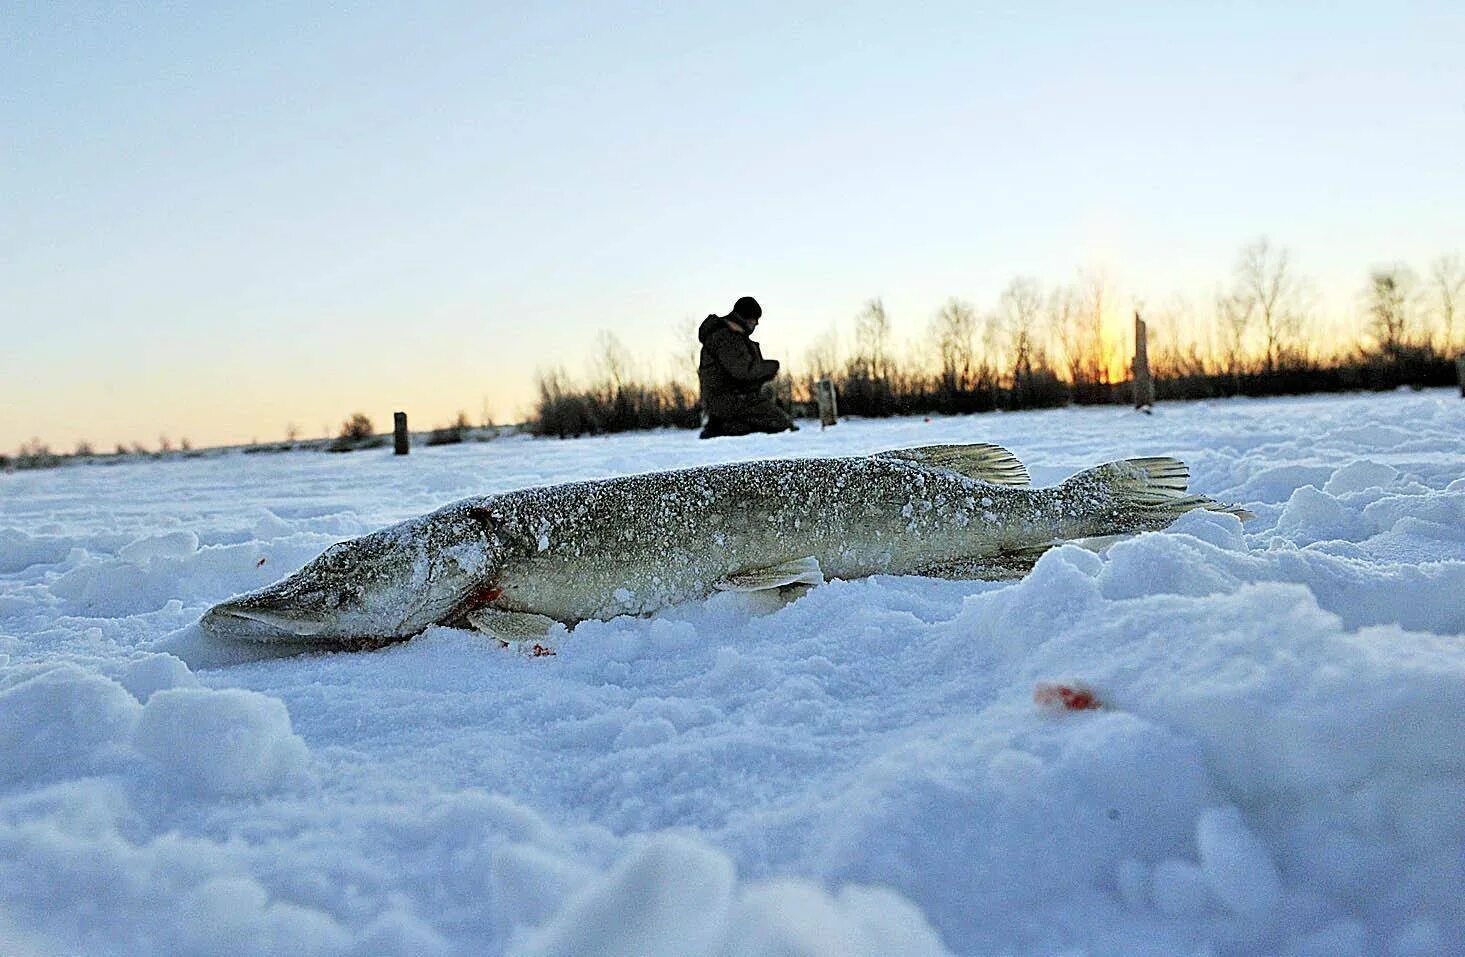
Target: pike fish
x,y
516,566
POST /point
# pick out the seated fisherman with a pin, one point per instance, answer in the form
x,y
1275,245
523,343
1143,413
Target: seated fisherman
x,y
732,373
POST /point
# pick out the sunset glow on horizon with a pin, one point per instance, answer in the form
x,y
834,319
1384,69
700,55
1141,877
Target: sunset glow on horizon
x,y
218,225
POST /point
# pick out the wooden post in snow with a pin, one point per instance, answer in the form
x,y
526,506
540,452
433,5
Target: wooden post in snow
x,y
1460,372
828,403
1144,383
400,445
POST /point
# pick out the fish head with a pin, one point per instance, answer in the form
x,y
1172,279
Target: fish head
x,y
390,584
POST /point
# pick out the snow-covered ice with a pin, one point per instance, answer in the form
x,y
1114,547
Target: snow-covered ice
x,y
1278,767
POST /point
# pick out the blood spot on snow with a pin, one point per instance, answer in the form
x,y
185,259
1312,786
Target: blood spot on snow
x,y
1071,696
539,651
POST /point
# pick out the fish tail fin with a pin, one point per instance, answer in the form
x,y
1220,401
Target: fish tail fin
x,y
1153,490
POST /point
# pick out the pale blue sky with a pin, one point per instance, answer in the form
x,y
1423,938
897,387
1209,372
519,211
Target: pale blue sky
x,y
214,223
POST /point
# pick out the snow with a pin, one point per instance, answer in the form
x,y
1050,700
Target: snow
x,y
222,742
1277,765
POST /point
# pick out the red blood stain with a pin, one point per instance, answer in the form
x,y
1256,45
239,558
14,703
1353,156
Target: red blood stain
x,y
486,595
1065,697
535,651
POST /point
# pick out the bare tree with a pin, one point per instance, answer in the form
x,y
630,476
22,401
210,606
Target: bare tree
x,y
1447,285
1234,315
1064,318
1094,295
821,358
872,340
954,328
993,354
1176,349
1021,307
1267,291
1390,290
611,362
686,351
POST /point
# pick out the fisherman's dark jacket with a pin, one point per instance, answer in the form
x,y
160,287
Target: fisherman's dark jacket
x,y
732,368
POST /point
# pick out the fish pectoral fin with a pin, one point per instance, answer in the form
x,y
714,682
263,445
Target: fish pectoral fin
x,y
800,571
982,461
511,626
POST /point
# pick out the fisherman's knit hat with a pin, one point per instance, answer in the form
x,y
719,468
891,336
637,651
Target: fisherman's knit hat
x,y
748,308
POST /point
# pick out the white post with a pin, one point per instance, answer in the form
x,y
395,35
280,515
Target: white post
x,y
1144,384
828,403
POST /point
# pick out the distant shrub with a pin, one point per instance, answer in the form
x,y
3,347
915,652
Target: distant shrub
x,y
357,432
357,427
342,444
450,434
565,409
36,454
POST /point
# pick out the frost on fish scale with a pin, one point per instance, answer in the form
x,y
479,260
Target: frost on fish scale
x,y
682,530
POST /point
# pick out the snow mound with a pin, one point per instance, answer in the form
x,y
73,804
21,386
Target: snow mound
x,y
676,897
20,550
63,721
151,673
229,743
1236,864
168,545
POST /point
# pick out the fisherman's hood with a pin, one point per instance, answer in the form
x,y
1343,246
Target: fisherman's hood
x,y
710,325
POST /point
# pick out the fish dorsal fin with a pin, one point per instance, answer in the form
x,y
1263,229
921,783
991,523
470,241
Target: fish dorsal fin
x,y
982,461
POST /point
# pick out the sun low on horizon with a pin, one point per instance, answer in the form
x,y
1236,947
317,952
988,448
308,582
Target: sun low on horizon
x,y
229,226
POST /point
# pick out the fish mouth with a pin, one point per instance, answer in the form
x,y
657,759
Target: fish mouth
x,y
236,619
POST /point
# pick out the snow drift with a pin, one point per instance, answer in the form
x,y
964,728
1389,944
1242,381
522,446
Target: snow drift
x,y
1277,764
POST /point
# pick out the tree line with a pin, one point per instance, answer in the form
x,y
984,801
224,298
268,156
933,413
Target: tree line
x,y
1039,346
1035,346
